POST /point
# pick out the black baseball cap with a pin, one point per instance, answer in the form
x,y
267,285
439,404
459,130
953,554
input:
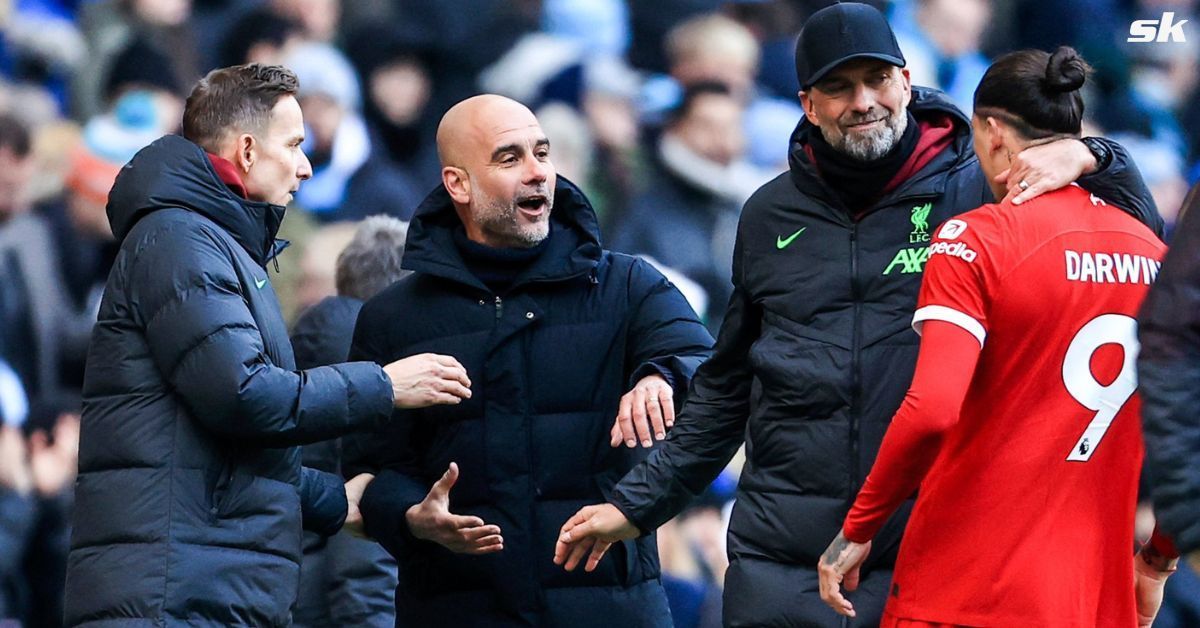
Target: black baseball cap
x,y
839,33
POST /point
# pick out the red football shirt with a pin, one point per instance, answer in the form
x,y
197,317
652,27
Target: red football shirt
x,y
1025,517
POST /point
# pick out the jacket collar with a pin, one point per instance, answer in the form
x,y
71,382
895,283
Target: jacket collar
x,y
574,247
174,172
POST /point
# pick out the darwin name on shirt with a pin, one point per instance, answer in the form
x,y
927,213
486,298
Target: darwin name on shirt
x,y
1111,267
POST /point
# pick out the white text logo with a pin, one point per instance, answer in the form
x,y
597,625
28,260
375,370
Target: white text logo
x,y
957,249
1164,30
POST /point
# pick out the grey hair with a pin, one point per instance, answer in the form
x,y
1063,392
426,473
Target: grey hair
x,y
371,262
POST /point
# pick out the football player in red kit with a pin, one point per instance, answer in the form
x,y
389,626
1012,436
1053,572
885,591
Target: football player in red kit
x,y
1021,426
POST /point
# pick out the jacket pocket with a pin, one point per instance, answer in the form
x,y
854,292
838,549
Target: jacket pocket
x,y
625,555
219,488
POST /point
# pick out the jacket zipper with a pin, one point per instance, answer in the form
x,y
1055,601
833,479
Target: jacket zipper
x,y
855,363
499,307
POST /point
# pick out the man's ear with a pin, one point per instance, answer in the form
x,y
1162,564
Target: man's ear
x,y
458,184
996,134
247,152
807,104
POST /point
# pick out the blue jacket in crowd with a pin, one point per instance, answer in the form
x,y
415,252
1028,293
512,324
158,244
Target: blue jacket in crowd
x,y
190,489
549,360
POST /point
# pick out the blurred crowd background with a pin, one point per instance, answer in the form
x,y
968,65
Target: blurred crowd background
x,y
668,113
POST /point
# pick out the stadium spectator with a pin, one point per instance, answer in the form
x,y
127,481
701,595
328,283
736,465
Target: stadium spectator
x,y
39,329
815,352
713,48
260,36
191,497
942,44
687,214
560,336
17,516
318,263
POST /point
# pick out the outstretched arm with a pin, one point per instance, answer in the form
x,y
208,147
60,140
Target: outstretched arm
x,y
945,365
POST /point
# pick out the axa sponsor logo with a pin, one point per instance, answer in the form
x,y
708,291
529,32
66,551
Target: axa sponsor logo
x,y
953,249
1161,30
907,261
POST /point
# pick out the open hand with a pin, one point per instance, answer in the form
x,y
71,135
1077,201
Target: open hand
x,y
840,566
432,520
593,529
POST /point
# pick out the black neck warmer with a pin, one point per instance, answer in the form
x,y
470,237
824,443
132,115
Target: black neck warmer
x,y
497,268
858,183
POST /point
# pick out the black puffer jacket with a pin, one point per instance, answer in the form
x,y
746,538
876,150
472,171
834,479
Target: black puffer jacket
x,y
1169,380
814,357
190,489
548,360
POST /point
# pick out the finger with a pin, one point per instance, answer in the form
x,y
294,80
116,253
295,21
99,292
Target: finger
x,y
654,410
639,417
476,533
456,373
614,435
625,420
448,367
491,539
38,442
580,550
832,594
461,522
597,553
487,549
437,398
1003,177
452,387
577,533
445,360
667,399
561,550
1033,191
446,482
850,581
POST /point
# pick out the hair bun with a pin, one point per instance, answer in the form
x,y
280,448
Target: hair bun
x,y
1065,72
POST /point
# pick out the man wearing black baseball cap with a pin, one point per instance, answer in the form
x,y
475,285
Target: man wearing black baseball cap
x,y
840,33
816,351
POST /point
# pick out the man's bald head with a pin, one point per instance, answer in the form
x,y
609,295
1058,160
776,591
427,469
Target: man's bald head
x,y
496,167
471,123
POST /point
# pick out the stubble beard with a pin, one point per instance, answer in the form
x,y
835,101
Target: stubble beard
x,y
501,220
871,144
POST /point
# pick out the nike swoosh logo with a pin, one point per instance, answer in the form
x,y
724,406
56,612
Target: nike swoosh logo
x,y
782,243
259,283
